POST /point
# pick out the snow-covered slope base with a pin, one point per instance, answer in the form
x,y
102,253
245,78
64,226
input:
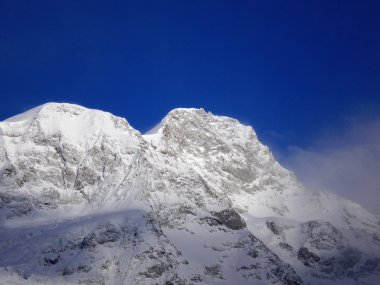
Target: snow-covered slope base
x,y
86,199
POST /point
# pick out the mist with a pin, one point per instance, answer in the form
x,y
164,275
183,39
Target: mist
x,y
345,162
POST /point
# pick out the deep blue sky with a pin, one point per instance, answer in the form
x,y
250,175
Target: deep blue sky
x,y
289,68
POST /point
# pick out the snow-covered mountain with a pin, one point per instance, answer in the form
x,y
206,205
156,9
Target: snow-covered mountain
x,y
85,198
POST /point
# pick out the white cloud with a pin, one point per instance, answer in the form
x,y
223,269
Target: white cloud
x,y
346,163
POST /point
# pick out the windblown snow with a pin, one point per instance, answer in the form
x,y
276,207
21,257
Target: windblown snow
x,y
87,199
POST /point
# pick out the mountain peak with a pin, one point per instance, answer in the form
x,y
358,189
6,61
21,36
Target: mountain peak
x,y
184,111
196,126
44,109
70,120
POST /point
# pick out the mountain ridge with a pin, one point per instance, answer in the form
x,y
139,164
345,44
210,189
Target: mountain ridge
x,y
199,200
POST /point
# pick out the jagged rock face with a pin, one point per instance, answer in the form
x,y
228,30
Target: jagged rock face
x,y
85,198
231,219
307,257
221,147
63,154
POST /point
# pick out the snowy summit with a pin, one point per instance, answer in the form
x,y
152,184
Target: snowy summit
x,y
87,199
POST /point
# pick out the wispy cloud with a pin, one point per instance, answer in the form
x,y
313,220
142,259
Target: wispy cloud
x,y
345,162
277,135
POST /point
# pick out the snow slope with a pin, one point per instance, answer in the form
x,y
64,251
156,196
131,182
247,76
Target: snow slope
x,y
85,198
